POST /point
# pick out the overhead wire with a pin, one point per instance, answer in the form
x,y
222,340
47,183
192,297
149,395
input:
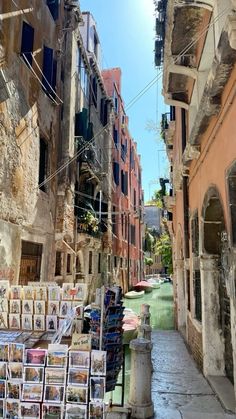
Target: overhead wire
x,y
134,100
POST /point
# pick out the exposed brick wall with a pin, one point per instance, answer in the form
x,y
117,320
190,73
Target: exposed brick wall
x,y
195,343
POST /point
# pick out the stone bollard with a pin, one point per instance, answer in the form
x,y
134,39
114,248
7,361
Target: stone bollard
x,y
145,331
145,314
140,399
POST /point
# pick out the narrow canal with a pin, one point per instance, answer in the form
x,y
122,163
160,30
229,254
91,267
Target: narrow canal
x,y
162,317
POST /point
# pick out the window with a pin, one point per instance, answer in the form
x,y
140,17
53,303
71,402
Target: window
x,y
134,200
43,163
99,263
49,71
115,136
83,78
103,111
188,290
90,271
78,265
94,91
132,234
121,262
113,218
53,6
198,296
116,102
27,43
184,129
115,262
195,235
68,264
58,264
116,172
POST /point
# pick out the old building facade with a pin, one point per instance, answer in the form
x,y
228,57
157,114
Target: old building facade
x,y
196,43
57,153
127,197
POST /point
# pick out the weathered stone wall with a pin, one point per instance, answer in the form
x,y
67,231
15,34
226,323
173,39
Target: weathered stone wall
x,y
195,343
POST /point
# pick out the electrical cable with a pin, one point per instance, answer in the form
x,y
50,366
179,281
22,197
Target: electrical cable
x,y
137,97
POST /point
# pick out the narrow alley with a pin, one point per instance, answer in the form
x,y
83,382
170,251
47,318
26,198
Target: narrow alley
x,y
179,390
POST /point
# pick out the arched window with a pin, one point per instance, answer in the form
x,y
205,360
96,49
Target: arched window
x,y
195,234
232,200
213,217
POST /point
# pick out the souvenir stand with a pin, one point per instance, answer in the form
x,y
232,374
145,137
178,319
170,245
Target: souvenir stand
x,y
106,331
42,378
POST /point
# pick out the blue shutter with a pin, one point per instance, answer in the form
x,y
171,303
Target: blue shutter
x,y
27,42
53,6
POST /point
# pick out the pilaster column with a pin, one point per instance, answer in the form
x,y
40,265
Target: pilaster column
x,y
145,314
212,339
179,266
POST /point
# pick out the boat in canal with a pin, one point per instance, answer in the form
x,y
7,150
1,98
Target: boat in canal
x,y
143,286
134,294
131,322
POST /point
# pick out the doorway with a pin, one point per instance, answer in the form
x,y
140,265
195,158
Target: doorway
x,y
31,256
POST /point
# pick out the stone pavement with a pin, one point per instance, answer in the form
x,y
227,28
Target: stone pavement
x,y
179,390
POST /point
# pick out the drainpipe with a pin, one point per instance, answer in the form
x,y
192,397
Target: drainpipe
x,y
128,270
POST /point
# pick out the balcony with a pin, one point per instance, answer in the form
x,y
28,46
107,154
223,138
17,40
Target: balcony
x,y
88,158
170,153
184,21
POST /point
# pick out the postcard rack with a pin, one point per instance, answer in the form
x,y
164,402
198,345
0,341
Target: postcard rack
x,y
54,383
108,319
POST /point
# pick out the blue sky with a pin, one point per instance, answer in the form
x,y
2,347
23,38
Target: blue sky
x,y
126,33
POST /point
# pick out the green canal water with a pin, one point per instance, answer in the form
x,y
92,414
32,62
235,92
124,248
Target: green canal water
x,y
162,317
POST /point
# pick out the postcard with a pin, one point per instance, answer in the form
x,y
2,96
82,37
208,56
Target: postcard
x,y
39,307
81,342
79,359
3,320
3,305
54,394
27,307
15,371
76,394
50,411
96,410
34,375
27,322
16,352
14,321
67,291
13,409
15,306
55,376
65,307
57,358
76,411
13,390
35,357
78,376
97,388
2,389
79,312
32,392
81,291
54,293
54,308
28,293
2,409
4,289
30,410
98,362
39,322
3,370
3,352
40,293
15,292
51,323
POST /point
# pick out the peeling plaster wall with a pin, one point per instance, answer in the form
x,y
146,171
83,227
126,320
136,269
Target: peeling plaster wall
x,y
26,113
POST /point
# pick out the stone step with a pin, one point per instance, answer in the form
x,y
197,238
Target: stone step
x,y
224,390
